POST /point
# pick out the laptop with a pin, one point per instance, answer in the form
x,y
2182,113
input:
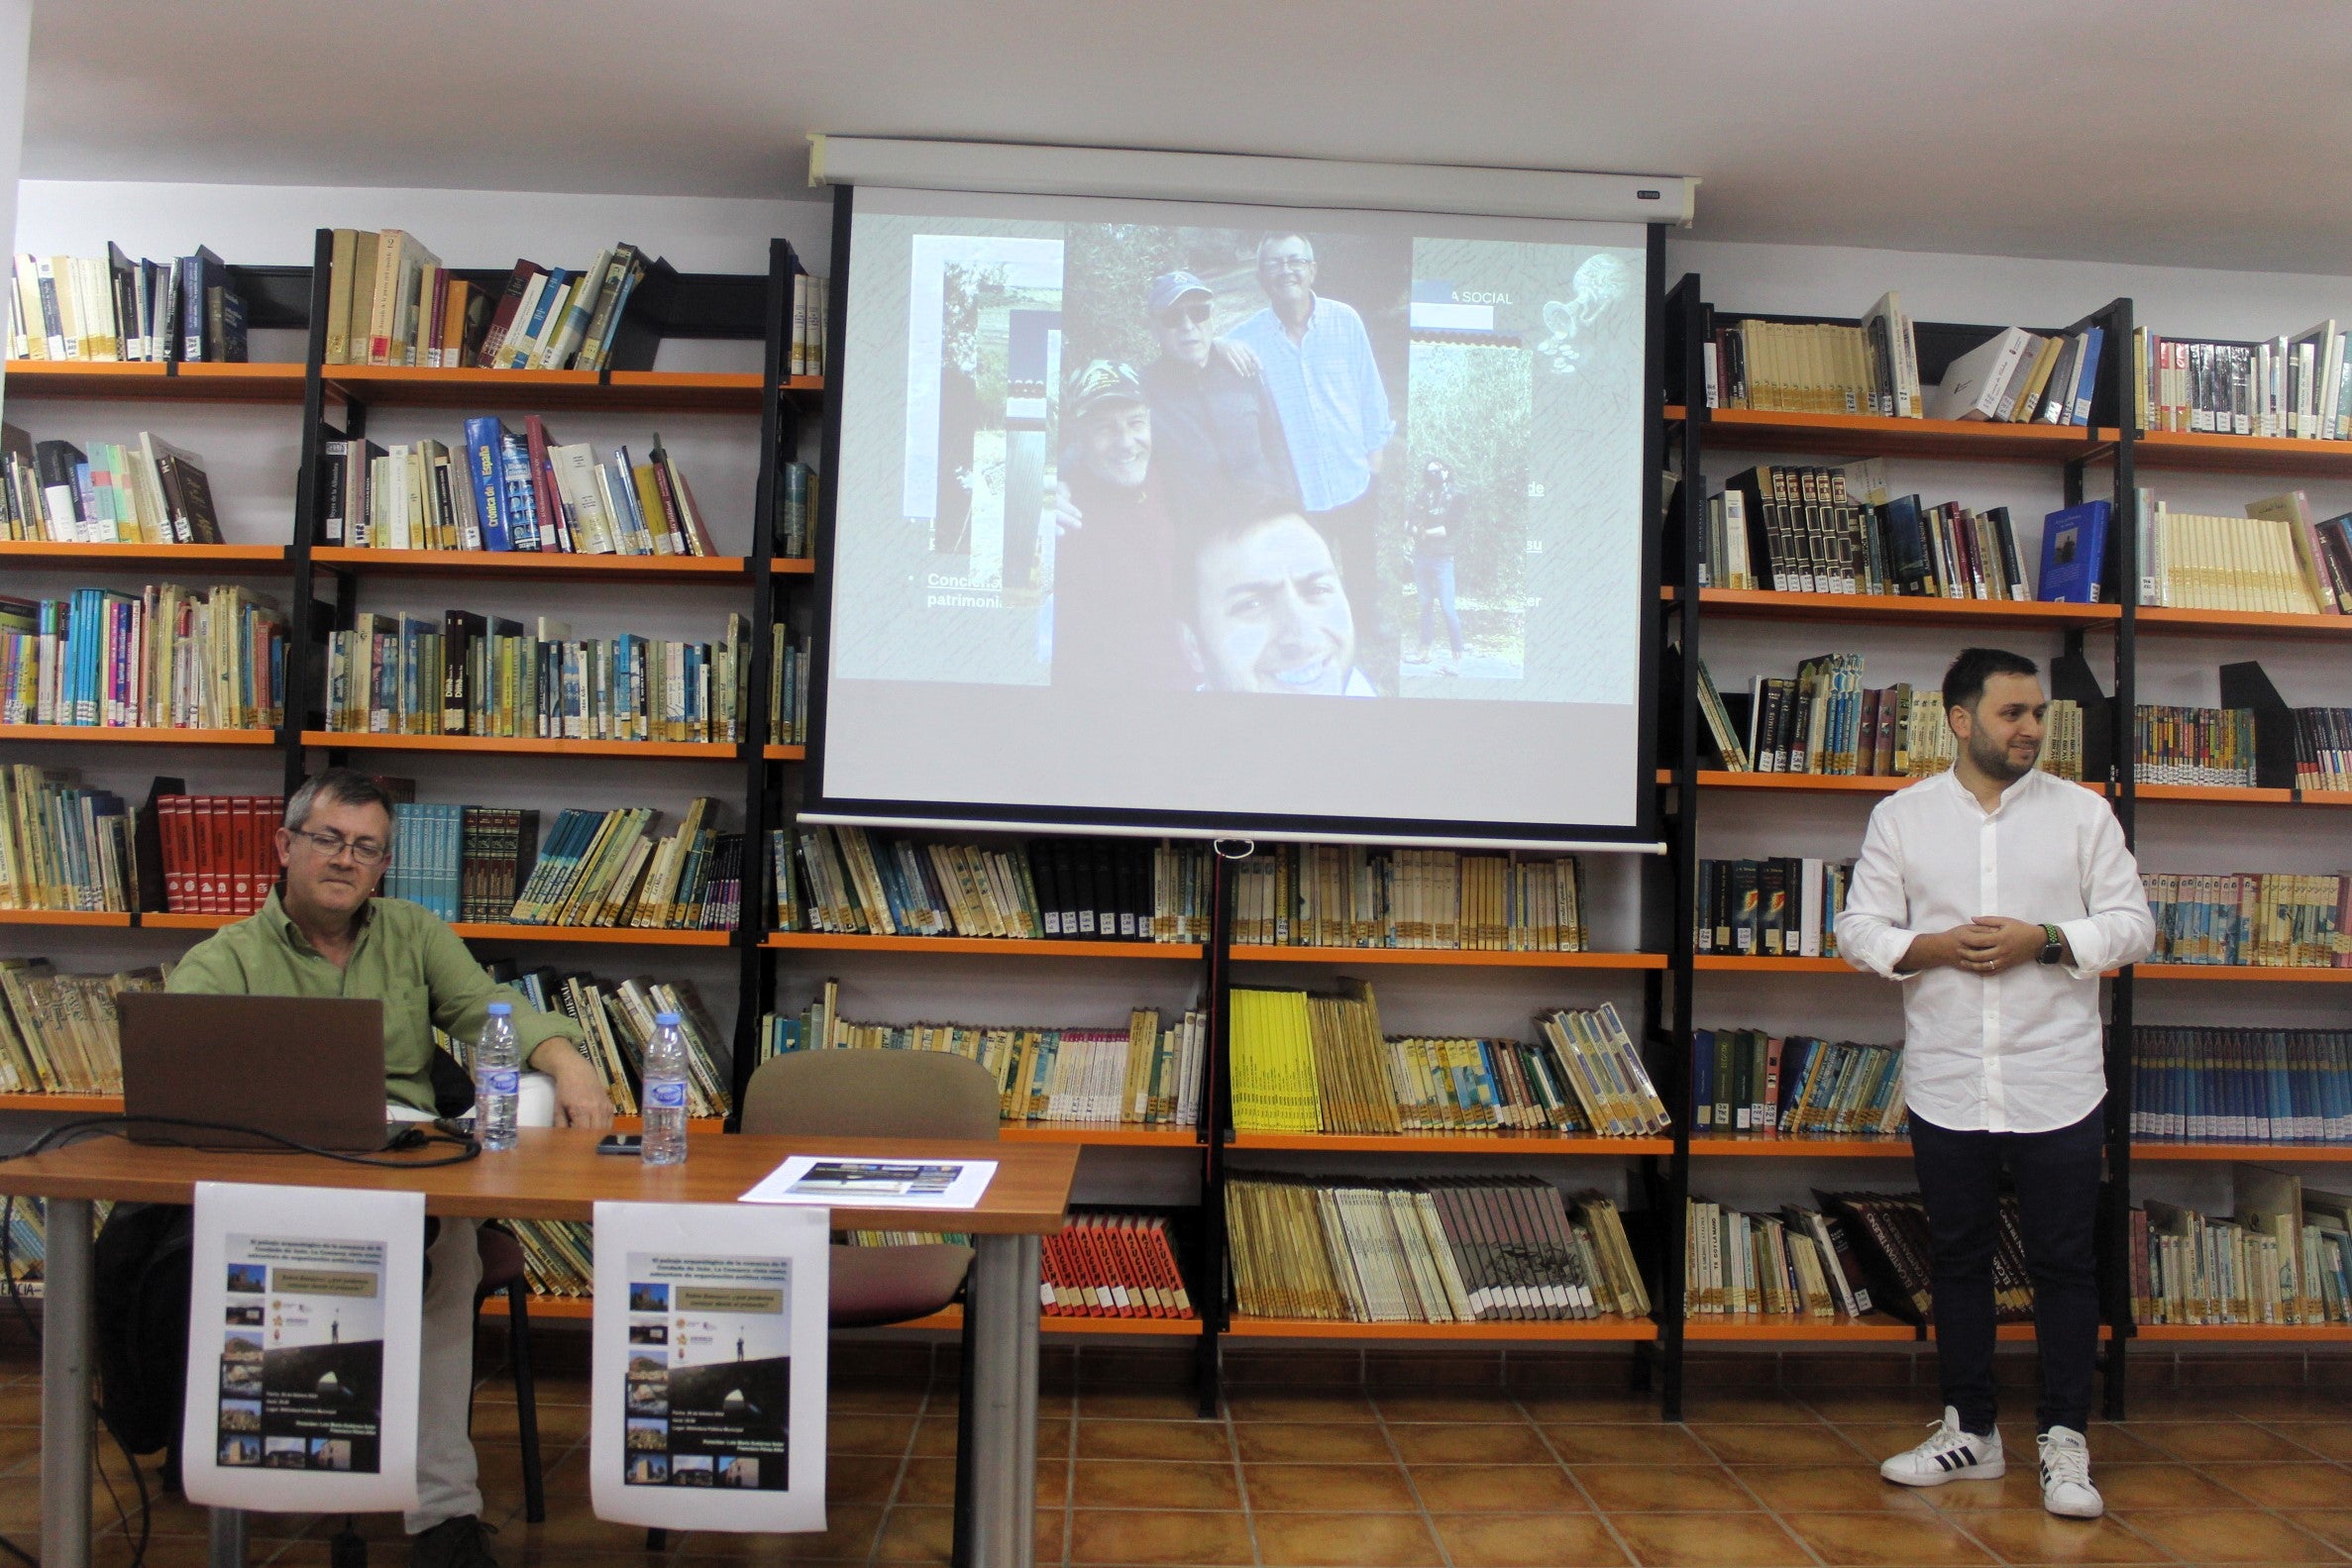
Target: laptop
x,y
305,1068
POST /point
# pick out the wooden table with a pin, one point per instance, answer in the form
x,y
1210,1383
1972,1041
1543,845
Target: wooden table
x,y
558,1175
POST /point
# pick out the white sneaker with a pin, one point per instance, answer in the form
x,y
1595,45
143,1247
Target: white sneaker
x,y
1950,1454
2065,1476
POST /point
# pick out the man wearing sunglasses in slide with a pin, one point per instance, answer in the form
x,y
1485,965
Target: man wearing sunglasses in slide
x,y
1216,435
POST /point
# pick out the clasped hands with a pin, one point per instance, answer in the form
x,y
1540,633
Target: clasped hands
x,y
1985,945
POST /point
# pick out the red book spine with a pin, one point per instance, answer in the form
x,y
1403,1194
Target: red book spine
x,y
202,862
179,898
241,854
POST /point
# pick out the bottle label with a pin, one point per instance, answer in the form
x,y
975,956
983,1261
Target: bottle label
x,y
499,1081
666,1097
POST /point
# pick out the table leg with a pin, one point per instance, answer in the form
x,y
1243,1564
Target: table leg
x,y
228,1537
1002,1299
65,1386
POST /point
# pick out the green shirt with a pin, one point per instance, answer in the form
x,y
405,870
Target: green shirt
x,y
405,957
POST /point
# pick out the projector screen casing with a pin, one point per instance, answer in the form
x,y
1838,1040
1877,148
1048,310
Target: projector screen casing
x,y
947,809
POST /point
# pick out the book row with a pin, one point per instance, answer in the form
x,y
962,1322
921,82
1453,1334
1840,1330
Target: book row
x,y
2324,749
2290,386
1146,1074
468,674
1890,1242
2206,747
390,301
2274,558
796,510
804,346
2241,1086
1783,908
149,493
58,1033
1747,1082
606,868
506,490
166,658
788,687
2280,1257
1319,1064
845,880
220,851
1823,720
1797,1263
2267,919
2022,377
1801,531
110,307
63,847
1113,1265
1461,1251
618,1019
1351,896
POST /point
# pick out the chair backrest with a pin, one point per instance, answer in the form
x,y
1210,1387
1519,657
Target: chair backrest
x,y
856,1093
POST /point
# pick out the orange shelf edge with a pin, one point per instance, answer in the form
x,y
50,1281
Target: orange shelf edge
x,y
1442,957
136,735
1757,1326
784,754
522,746
532,563
1509,1142
2331,1153
1101,1137
620,935
1772,603
1804,1148
93,1104
1757,964
1586,1328
994,947
2239,972
565,1308
82,917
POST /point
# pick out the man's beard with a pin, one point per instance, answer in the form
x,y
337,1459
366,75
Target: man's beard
x,y
1994,760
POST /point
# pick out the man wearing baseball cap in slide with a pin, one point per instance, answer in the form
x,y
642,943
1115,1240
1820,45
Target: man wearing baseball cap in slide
x,y
1216,435
1115,550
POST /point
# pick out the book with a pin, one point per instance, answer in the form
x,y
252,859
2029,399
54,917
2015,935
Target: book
x,y
1354,895
2259,920
2207,747
166,658
2074,553
1974,382
58,1031
1750,1083
2289,388
392,301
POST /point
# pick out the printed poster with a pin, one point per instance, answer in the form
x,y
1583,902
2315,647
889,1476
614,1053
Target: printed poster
x,y
709,1358
839,1183
303,1335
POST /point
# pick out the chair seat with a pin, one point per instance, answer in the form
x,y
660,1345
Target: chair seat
x,y
873,1285
501,1261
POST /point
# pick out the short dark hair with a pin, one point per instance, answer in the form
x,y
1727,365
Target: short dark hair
x,y
1964,683
343,786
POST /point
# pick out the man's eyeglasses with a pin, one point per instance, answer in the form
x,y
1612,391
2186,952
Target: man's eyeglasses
x,y
1195,311
333,845
1286,264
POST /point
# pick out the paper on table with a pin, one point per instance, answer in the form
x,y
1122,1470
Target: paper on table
x,y
874,1184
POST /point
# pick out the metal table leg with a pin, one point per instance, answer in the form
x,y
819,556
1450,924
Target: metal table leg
x,y
228,1537
65,1386
1002,1299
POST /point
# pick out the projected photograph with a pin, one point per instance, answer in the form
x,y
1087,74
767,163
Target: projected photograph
x,y
1112,473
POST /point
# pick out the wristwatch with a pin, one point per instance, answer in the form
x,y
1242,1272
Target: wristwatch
x,y
2053,944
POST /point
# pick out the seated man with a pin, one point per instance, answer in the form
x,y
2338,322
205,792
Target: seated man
x,y
326,934
1263,607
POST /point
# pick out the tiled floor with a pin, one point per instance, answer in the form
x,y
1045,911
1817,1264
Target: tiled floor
x,y
1468,1479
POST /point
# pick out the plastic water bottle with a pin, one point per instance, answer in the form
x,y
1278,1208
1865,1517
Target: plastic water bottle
x,y
664,1098
498,1079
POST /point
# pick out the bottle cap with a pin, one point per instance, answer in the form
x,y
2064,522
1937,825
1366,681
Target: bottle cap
x,y
501,1009
665,1021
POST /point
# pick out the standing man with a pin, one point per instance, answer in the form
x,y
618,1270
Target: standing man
x,y
1996,895
1317,360
1216,437
325,933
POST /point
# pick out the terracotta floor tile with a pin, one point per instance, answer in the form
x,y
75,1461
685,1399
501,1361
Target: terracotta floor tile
x,y
1150,1484
1872,1538
1139,1404
1825,1488
1324,1489
848,1536
1654,1444
1302,1443
1528,1541
2032,1535
2333,1525
927,1536
887,1399
935,1434
2287,1405
2110,1442
1146,1537
1342,1540
2329,1439
1467,1443
1199,1440
2235,1535
1748,1406
1589,1405
1759,1444
1875,1407
2155,1487
1297,1405
860,1478
569,1530
1485,1405
2021,1488
1708,1540
872,1434
1665,1489
1497,1489
2221,1441
931,1481
2309,1485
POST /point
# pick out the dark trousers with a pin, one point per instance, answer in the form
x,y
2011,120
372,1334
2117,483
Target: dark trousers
x,y
2056,1177
1351,531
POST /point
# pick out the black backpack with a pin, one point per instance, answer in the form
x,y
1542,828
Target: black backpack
x,y
142,1269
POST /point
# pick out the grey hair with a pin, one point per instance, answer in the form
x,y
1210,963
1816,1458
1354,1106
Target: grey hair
x,y
341,786
1274,237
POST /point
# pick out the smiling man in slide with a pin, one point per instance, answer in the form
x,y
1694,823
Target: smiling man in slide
x,y
1266,611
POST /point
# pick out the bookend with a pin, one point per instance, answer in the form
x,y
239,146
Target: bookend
x,y
2248,685
2071,679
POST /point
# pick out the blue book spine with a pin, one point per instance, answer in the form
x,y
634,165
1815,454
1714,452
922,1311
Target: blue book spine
x,y
481,453
520,501
558,281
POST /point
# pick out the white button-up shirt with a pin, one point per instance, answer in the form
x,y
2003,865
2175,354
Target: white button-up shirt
x,y
2018,1051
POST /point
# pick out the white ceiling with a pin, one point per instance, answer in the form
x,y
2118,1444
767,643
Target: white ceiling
x,y
2183,131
